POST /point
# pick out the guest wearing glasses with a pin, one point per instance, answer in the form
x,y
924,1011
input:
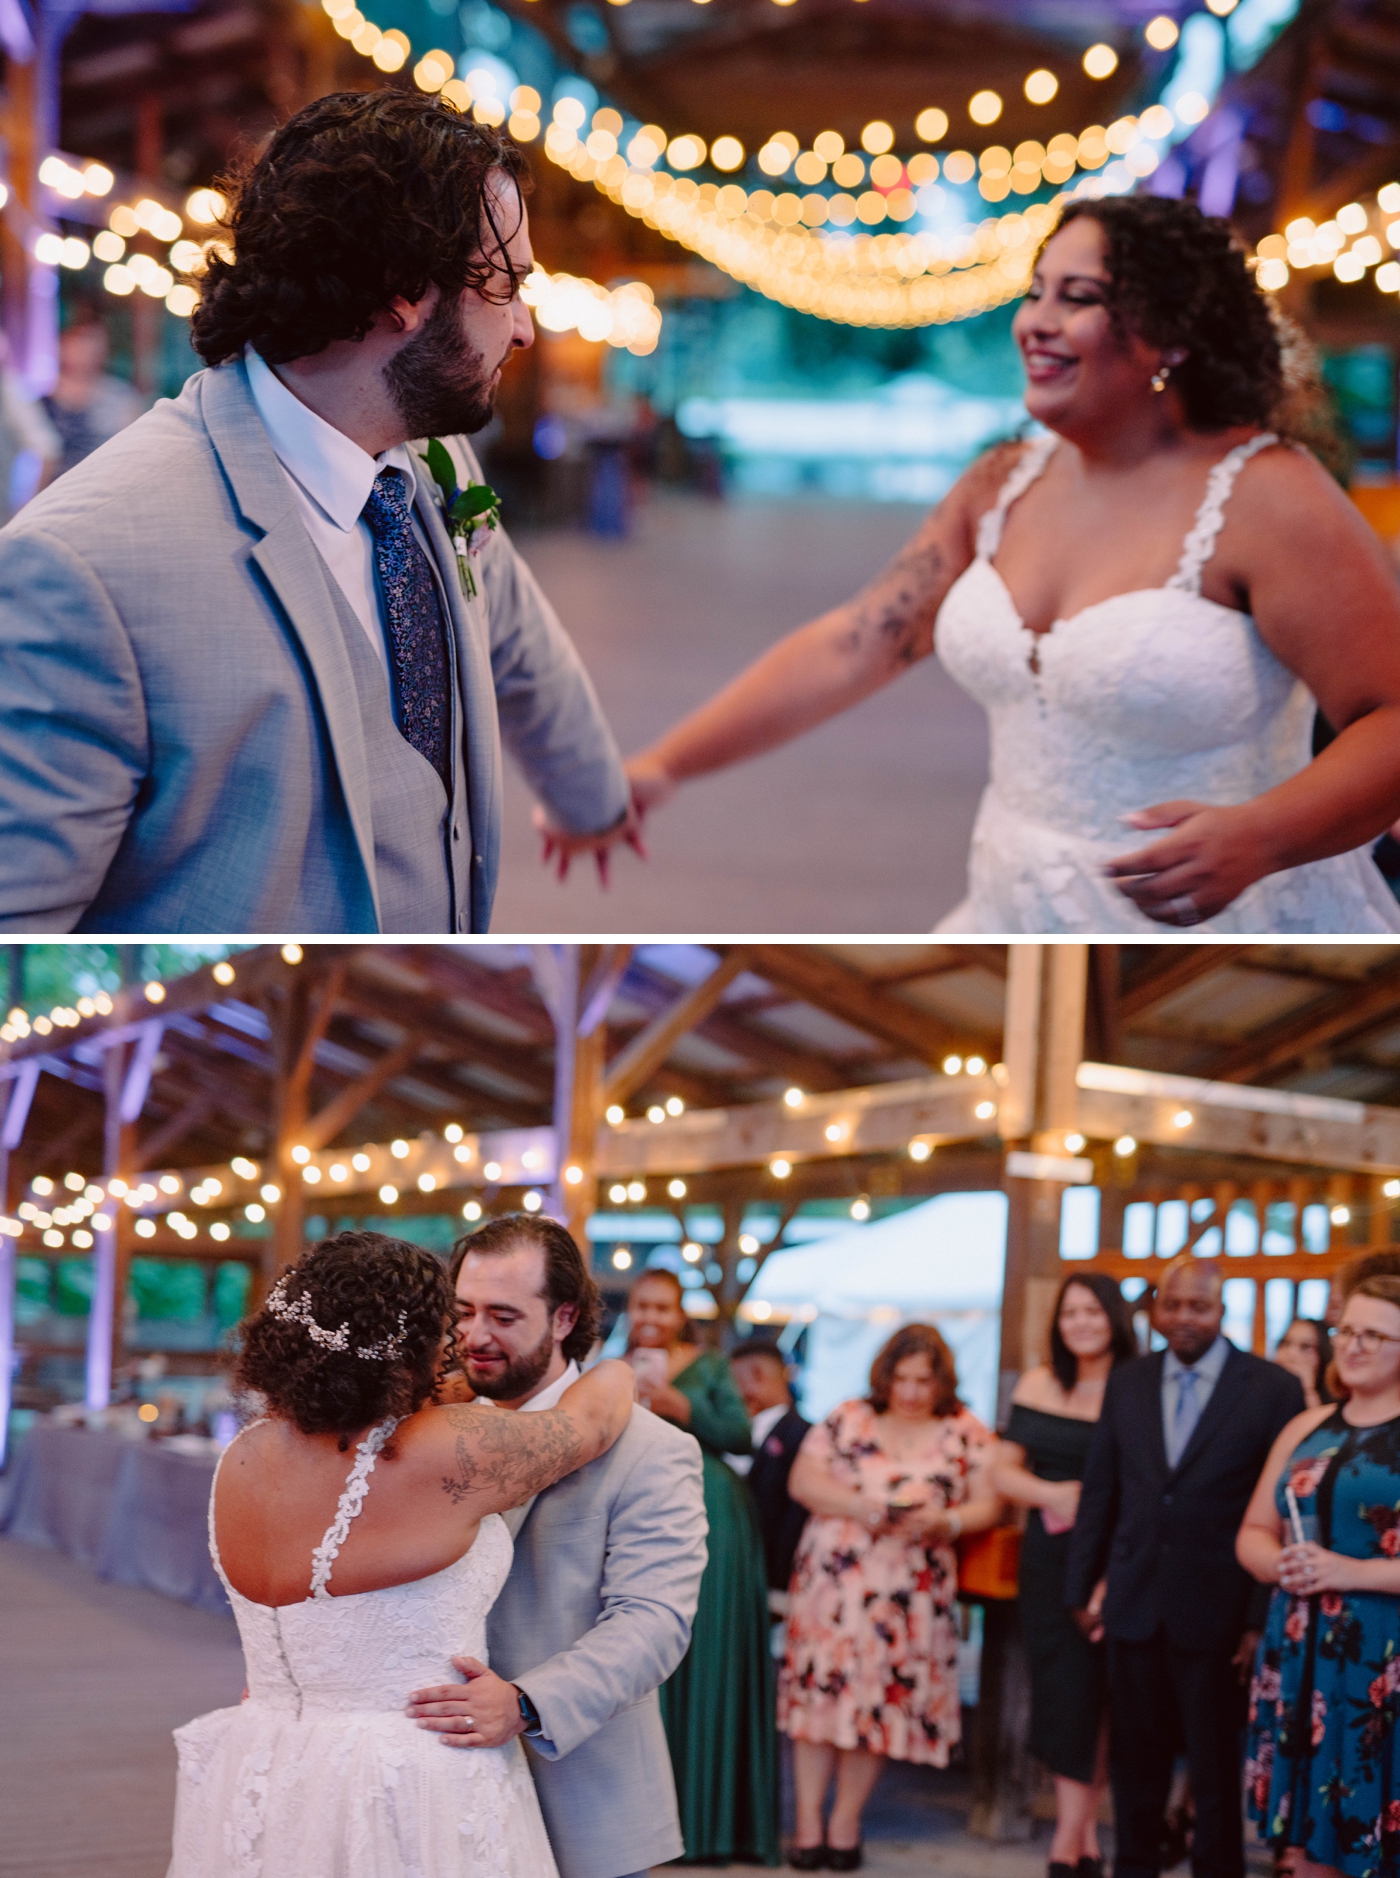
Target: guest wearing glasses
x,y
1323,1769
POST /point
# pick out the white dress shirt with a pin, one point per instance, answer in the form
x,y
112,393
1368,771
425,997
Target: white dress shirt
x,y
549,1398
763,1425
331,480
1207,1368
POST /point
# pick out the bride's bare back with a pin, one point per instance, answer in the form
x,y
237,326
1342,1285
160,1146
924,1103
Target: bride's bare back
x,y
443,1471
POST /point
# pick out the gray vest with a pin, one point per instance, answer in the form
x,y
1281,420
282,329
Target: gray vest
x,y
418,833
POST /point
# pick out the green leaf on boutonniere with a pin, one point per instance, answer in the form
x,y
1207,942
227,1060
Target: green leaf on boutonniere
x,y
442,469
475,499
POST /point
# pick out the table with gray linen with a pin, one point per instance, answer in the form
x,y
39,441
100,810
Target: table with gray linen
x,y
135,1511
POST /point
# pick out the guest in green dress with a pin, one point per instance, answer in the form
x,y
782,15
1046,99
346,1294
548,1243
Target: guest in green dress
x,y
1040,1465
718,1707
1322,1773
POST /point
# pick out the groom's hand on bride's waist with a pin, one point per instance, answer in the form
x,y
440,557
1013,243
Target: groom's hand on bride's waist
x,y
482,1712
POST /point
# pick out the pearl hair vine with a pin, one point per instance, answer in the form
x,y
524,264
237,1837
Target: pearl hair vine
x,y
298,1311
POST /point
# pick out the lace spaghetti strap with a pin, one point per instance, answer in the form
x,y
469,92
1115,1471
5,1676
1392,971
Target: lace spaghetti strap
x,y
1199,545
1027,467
349,1504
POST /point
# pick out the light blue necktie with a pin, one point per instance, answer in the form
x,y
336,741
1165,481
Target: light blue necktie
x,y
1188,1413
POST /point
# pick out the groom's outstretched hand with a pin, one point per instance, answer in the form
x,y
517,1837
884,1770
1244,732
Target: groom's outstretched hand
x,y
482,1712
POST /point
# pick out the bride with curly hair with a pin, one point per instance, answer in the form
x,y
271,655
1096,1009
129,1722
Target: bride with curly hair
x,y
356,1580
1146,597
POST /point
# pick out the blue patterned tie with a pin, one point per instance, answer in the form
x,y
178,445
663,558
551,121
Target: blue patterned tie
x,y
417,638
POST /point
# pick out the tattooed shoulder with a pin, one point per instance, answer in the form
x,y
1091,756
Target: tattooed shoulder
x,y
506,1456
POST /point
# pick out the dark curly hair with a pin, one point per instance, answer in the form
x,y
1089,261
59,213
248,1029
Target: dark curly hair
x,y
915,1340
362,1280
567,1279
1181,280
361,198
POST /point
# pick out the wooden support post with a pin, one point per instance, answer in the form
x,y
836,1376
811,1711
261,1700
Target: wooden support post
x,y
19,1093
112,1248
575,984
1043,1045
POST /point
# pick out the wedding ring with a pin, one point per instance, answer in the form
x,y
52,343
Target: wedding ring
x,y
1184,910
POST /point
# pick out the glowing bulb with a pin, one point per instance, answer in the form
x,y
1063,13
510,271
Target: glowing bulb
x,y
426,1183
533,1201
636,1190
617,1193
292,954
985,1111
1124,1146
674,1106
622,1258
676,1189
877,137
492,1170
1041,86
1161,33
691,1252
860,1209
984,107
360,1163
1100,61
975,1066
793,1098
615,1113
572,1176
155,992
780,1168
223,973
1074,1142
388,1194
951,1065
1183,1118
472,1210
270,1193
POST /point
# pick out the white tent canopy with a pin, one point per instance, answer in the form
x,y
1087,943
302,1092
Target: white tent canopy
x,y
939,1263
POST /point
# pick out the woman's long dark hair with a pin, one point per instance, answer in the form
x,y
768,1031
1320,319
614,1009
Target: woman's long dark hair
x,y
1322,1343
915,1340
1110,1300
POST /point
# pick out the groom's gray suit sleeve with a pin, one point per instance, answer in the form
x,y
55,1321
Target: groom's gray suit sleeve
x,y
550,717
656,1553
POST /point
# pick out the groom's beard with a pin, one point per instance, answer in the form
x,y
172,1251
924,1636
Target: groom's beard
x,y
509,1381
439,380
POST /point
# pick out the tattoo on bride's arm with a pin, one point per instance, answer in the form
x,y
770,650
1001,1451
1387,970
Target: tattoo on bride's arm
x,y
513,1456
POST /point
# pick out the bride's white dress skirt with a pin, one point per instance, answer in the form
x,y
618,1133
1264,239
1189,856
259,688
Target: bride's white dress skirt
x,y
320,1774
1152,696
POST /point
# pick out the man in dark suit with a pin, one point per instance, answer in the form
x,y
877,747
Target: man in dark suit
x,y
1181,1442
760,1375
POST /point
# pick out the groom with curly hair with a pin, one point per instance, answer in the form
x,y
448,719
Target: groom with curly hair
x,y
258,657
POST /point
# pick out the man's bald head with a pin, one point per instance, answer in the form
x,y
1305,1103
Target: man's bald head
x,y
1190,1306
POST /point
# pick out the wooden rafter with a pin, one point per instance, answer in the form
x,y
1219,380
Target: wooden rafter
x,y
841,990
1341,1014
643,1056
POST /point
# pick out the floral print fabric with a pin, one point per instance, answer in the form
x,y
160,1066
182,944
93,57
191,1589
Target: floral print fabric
x,y
872,1649
1323,1768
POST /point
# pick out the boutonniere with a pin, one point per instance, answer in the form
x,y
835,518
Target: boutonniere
x,y
469,514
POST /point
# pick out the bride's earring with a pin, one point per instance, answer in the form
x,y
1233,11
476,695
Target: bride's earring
x,y
1160,377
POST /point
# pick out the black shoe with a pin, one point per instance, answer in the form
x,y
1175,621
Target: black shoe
x,y
1061,1868
844,1858
1089,1868
807,1857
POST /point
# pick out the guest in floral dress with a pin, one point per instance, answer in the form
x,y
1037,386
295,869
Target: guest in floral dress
x,y
871,1670
1323,1767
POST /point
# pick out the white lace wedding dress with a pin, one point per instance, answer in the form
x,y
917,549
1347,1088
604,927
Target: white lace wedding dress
x,y
320,1774
1147,697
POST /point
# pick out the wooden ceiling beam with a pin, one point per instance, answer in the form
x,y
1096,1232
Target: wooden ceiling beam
x,y
1183,966
638,1060
322,1128
1341,1013
770,1054
836,988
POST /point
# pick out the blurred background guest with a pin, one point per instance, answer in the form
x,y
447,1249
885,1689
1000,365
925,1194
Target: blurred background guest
x,y
760,1374
1323,1771
1348,1276
30,448
1182,1438
1305,1350
718,1707
871,1669
1040,1465
88,404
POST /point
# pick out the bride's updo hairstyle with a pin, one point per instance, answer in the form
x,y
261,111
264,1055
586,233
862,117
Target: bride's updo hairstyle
x,y
1180,280
350,1335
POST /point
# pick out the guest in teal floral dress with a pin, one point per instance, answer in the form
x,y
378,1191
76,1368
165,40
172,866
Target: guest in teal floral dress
x,y
1323,1766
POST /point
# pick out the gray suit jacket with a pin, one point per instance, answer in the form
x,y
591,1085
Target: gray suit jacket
x,y
181,741
595,1615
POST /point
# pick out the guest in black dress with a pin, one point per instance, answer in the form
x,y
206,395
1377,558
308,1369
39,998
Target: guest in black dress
x,y
1040,1465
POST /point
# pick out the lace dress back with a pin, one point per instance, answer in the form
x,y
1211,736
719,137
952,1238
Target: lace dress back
x,y
1149,696
319,1773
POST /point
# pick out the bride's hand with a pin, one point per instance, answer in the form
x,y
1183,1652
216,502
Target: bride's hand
x,y
1192,874
560,845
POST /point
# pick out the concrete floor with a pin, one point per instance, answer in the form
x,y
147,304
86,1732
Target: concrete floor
x,y
95,1676
861,826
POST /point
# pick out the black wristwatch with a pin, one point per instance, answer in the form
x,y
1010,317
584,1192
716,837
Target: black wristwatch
x,y
529,1714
